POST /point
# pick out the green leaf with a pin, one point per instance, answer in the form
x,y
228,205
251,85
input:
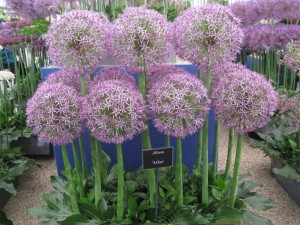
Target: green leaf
x,y
287,172
9,187
59,185
3,219
191,219
216,193
47,223
132,204
246,187
77,220
252,219
259,202
91,211
227,215
45,212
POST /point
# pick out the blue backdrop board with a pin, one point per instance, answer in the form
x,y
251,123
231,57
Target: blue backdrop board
x,y
132,150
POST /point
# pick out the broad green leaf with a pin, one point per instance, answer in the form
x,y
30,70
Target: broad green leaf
x,y
191,219
259,202
287,172
132,204
252,219
77,220
91,211
9,187
246,187
59,184
46,212
227,215
47,223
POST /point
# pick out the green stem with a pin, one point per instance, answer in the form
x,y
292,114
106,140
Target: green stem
x,y
77,168
83,85
83,159
146,142
97,170
205,147
236,171
179,175
68,170
216,149
200,136
167,141
298,139
120,202
229,153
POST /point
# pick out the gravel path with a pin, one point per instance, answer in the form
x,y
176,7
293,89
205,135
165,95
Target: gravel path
x,y
36,181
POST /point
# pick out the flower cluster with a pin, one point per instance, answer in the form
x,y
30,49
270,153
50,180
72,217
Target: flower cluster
x,y
291,108
54,113
267,36
291,55
114,73
33,9
178,104
68,77
114,112
245,102
253,11
141,38
158,72
208,34
79,39
8,77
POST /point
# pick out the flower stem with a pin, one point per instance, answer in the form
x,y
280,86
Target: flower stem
x,y
179,182
167,141
78,170
237,162
83,159
229,152
298,139
120,202
205,147
216,149
200,137
68,170
146,141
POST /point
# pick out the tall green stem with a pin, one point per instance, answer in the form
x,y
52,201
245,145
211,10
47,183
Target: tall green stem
x,y
179,175
216,149
200,137
146,141
236,171
68,170
229,152
167,141
83,159
298,139
120,202
205,147
77,168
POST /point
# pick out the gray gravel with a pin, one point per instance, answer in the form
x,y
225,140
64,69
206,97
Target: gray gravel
x,y
36,181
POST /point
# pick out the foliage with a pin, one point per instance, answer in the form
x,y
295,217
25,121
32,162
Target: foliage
x,y
38,27
136,201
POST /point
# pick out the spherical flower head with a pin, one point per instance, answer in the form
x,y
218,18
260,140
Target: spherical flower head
x,y
208,34
79,40
141,38
178,104
158,72
68,77
114,73
291,55
291,108
114,112
244,101
54,113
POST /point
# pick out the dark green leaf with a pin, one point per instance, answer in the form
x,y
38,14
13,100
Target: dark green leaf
x,y
253,219
259,202
3,219
77,220
227,215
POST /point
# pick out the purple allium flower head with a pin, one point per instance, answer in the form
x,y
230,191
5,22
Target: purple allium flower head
x,y
178,104
252,11
142,38
68,77
79,39
54,113
114,112
158,72
268,37
244,101
290,106
291,55
114,73
208,34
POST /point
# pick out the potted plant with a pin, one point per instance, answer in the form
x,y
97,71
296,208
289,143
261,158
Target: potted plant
x,y
280,140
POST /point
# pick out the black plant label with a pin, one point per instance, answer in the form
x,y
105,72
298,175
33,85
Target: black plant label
x,y
157,158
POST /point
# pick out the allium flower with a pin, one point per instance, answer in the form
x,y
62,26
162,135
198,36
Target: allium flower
x,y
114,73
158,72
252,11
79,39
291,108
54,113
8,77
141,38
68,77
291,55
114,112
266,36
178,104
208,34
245,101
